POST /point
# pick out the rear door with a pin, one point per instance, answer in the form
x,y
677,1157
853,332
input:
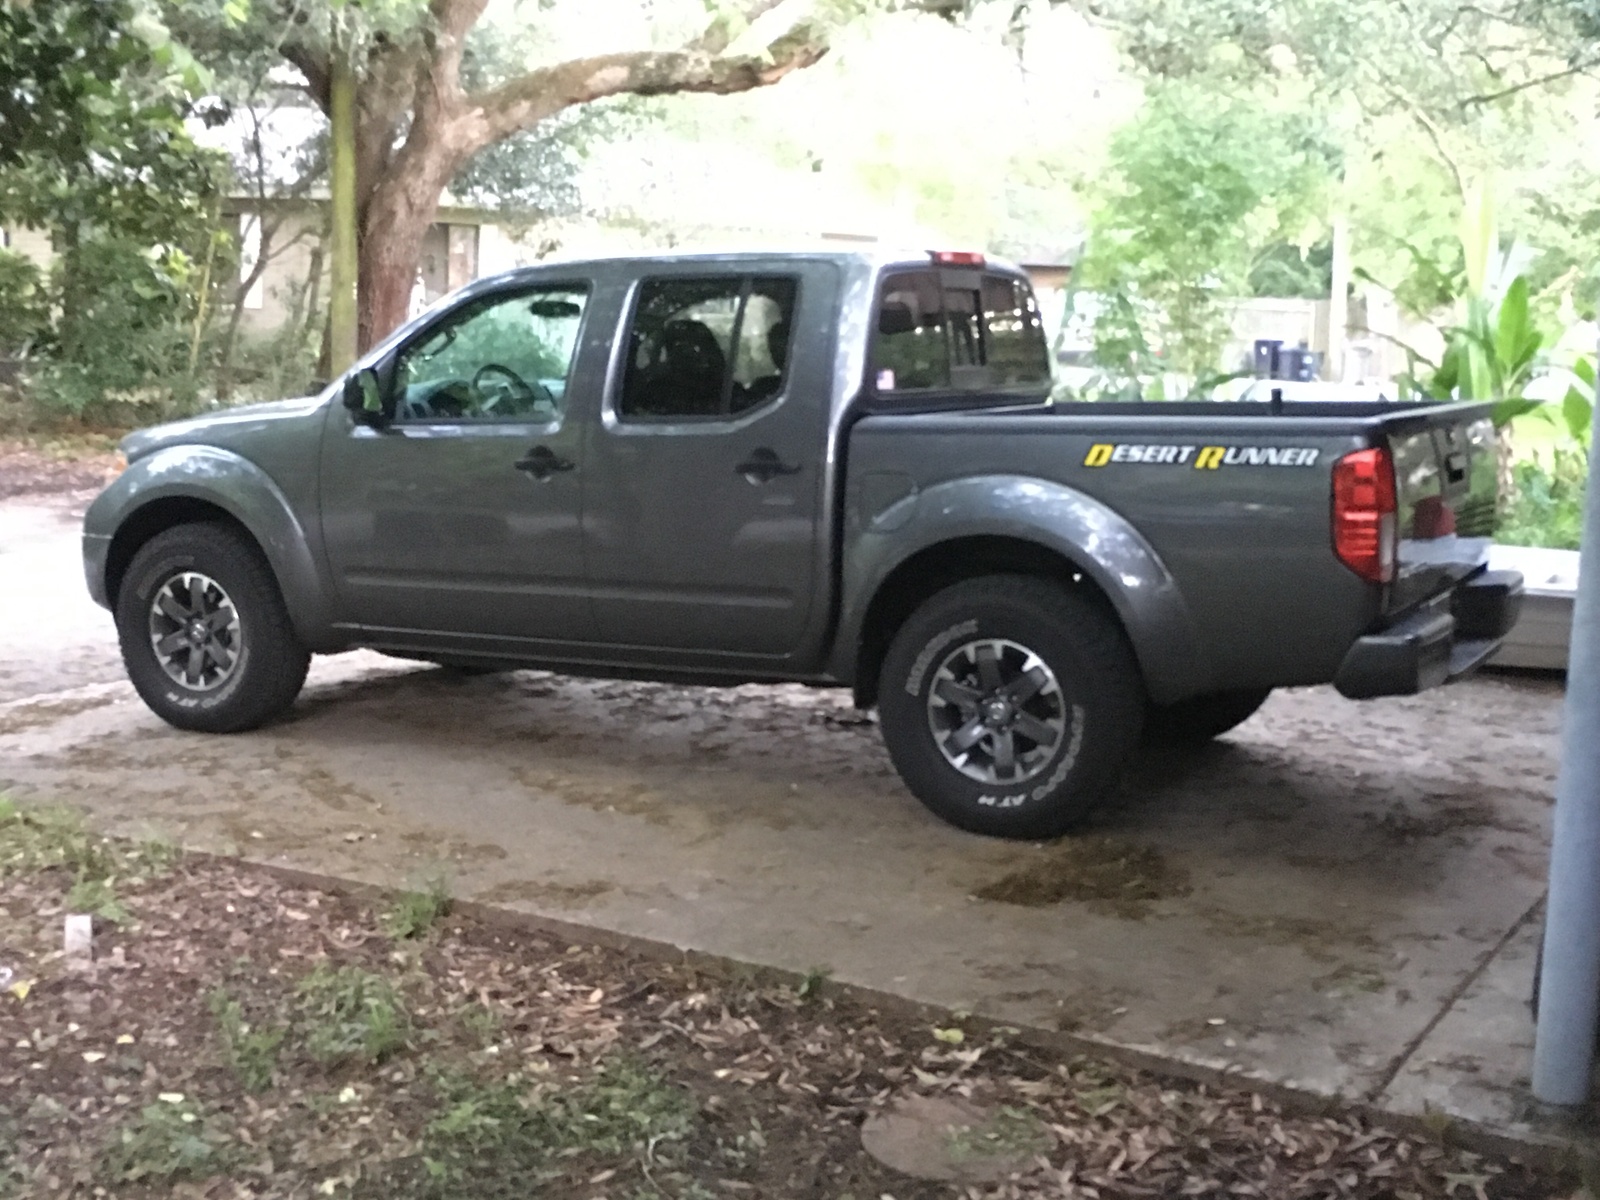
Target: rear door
x,y
1446,484
703,478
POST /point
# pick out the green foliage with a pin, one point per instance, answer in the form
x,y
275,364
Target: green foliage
x,y
1546,504
166,1142
125,337
1199,187
351,1015
508,1128
1286,269
251,1050
99,897
24,306
415,912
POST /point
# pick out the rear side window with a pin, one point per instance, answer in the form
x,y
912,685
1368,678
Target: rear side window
x,y
707,347
961,330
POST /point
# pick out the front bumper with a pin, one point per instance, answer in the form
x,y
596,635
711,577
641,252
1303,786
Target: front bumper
x,y
1447,638
96,549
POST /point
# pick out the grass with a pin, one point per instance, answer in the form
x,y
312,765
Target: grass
x,y
39,837
417,911
251,1050
515,1128
170,1140
97,896
351,1015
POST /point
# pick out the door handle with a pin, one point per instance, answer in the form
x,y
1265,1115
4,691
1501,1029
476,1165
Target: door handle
x,y
542,462
764,465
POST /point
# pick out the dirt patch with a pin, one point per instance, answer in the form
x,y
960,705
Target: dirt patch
x,y
1404,825
552,895
1322,940
81,462
1109,876
35,713
236,1035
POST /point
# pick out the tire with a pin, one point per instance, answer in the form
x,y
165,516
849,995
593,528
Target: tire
x,y
1197,720
251,664
949,746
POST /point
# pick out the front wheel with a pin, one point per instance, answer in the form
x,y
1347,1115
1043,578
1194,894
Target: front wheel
x,y
1009,705
205,634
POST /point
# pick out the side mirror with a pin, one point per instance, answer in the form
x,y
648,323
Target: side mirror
x,y
363,397
895,318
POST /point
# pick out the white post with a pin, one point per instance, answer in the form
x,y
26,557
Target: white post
x,y
1339,297
1569,984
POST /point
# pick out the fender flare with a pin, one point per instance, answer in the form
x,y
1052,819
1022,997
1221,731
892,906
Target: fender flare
x,y
1062,520
232,483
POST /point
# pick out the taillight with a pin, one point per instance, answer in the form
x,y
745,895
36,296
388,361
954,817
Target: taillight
x,y
958,258
1364,514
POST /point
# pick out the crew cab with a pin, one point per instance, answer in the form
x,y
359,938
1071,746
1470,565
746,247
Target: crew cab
x,y
836,468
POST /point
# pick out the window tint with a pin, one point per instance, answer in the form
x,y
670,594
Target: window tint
x,y
910,350
707,347
504,357
1017,350
929,335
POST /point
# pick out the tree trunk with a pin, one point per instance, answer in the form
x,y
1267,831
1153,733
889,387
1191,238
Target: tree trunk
x,y
401,210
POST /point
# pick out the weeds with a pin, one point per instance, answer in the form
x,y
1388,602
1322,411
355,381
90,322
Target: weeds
x,y
508,1128
415,912
252,1051
97,896
1010,1133
810,985
352,1015
167,1141
38,838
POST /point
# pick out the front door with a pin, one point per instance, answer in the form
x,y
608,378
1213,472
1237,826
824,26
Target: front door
x,y
459,514
705,473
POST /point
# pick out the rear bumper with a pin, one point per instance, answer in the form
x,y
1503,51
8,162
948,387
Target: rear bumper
x,y
1447,638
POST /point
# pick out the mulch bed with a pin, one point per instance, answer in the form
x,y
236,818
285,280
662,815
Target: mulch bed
x,y
192,1059
35,467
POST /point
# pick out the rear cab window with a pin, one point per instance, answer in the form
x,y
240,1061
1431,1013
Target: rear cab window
x,y
956,330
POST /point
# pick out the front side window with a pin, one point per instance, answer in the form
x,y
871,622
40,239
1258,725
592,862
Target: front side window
x,y
501,357
957,331
711,347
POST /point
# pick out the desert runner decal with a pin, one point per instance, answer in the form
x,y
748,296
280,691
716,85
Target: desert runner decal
x,y
1202,458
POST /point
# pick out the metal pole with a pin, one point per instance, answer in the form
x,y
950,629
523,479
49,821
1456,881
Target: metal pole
x,y
1569,984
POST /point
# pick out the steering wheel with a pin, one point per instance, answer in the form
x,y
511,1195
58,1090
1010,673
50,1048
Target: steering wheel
x,y
512,386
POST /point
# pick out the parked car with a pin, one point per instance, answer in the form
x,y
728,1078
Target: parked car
x,y
836,468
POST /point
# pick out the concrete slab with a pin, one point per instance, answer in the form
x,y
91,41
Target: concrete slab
x,y
1307,903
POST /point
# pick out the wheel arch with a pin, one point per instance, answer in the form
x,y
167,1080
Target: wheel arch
x,y
194,484
1016,525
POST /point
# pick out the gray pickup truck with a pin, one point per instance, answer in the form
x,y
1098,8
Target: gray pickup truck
x,y
836,468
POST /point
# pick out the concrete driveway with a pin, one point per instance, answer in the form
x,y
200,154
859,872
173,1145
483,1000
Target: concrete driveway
x,y
1340,898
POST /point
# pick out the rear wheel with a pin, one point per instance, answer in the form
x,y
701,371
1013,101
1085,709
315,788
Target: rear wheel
x,y
205,634
1009,705
1198,719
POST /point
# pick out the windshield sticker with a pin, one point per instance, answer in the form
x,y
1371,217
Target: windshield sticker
x,y
1202,458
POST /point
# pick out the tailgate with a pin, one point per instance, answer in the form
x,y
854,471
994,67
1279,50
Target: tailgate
x,y
1446,479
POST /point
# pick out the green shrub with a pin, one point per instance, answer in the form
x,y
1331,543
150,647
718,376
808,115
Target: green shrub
x,y
24,304
1545,507
123,337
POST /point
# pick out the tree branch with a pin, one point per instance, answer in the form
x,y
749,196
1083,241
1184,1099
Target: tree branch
x,y
1540,81
523,102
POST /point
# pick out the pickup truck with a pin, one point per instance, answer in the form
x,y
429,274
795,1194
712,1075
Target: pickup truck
x,y
836,468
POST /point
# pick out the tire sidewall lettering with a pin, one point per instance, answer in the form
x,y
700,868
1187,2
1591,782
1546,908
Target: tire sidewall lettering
x,y
917,676
1050,783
